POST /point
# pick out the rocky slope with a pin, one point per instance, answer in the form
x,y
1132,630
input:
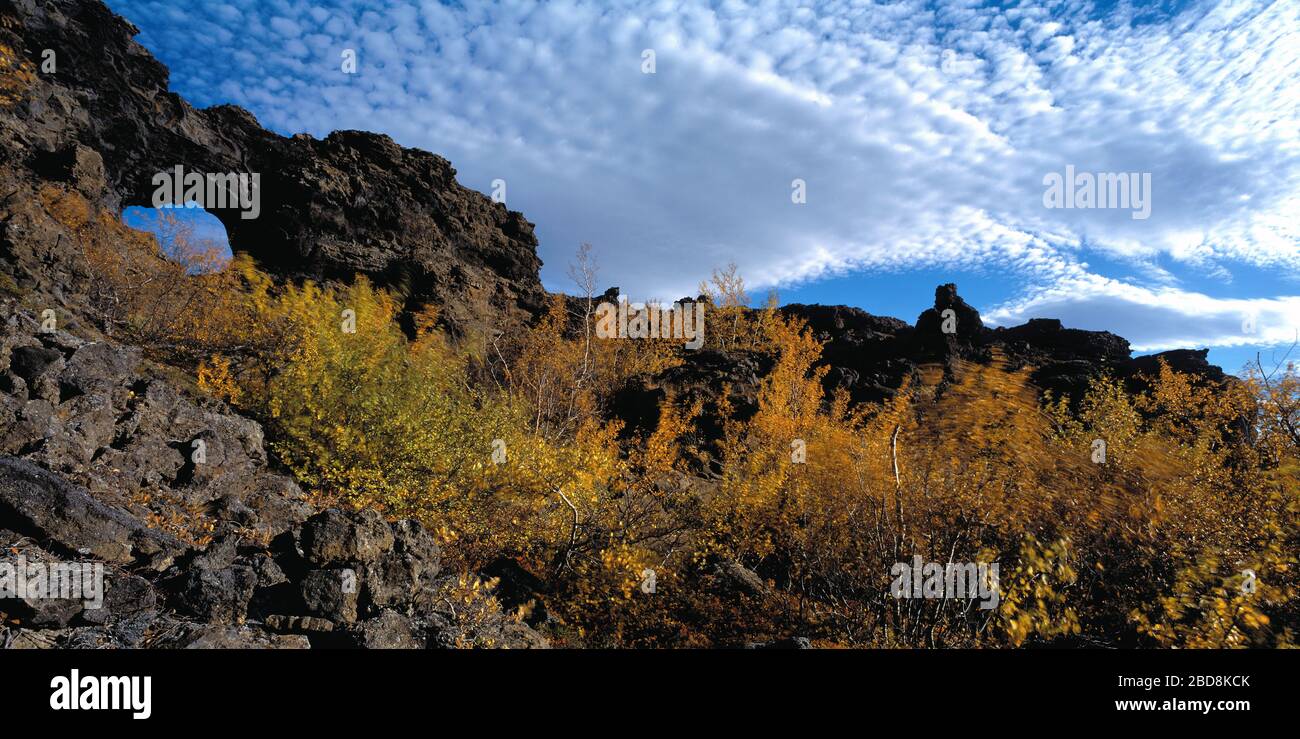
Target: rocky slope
x,y
98,464
97,446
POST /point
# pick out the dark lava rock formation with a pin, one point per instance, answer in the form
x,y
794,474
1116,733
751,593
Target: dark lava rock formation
x,y
98,464
355,202
335,580
870,357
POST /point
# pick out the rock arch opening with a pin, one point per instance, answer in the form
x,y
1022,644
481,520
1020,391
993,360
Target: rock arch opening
x,y
186,234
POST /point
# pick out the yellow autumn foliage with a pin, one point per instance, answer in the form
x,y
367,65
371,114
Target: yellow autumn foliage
x,y
503,446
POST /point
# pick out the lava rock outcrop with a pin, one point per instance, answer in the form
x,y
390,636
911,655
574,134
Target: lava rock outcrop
x,y
353,203
97,465
870,356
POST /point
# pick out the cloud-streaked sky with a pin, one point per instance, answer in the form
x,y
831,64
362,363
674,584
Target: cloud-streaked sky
x,y
923,132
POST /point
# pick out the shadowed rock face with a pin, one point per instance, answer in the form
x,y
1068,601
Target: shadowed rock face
x,y
354,202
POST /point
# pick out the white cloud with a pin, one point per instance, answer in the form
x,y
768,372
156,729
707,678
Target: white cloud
x,y
1160,318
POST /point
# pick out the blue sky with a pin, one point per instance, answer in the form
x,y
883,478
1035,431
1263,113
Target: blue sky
x,y
922,130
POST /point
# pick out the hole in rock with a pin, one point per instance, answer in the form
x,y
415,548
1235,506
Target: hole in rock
x,y
187,234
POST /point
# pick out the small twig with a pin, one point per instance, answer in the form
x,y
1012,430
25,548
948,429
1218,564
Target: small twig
x,y
573,532
893,452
